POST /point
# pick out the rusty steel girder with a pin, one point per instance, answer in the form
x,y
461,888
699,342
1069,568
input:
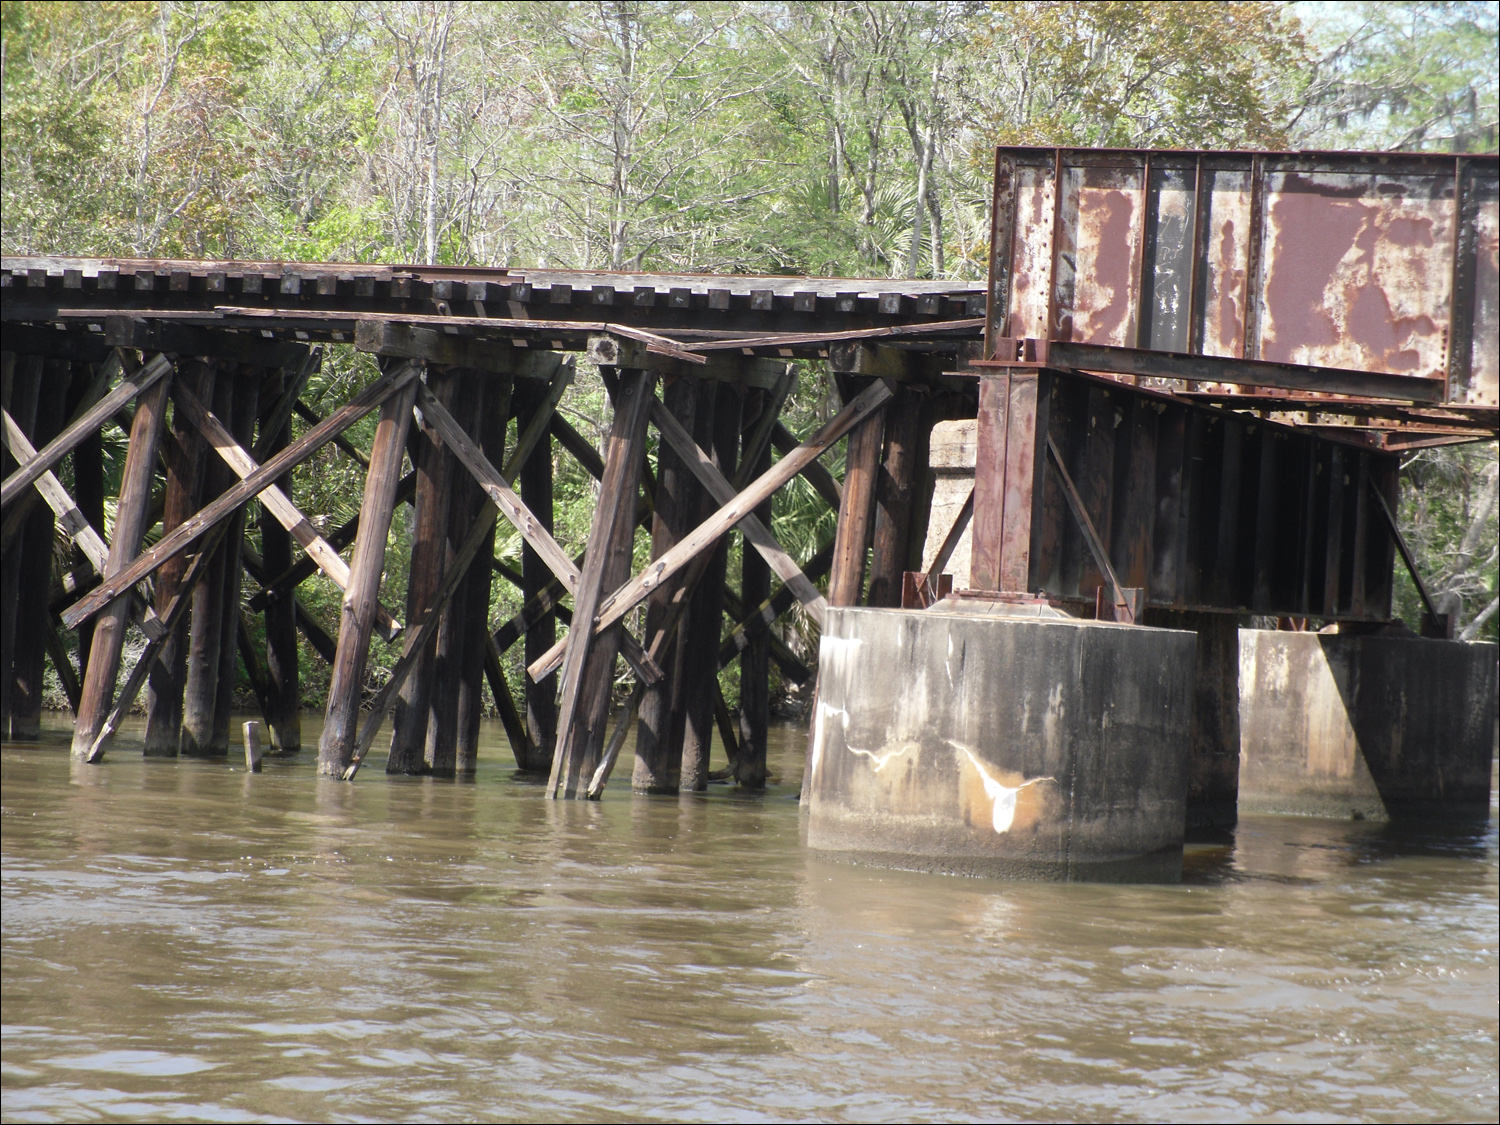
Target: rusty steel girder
x,y
1315,273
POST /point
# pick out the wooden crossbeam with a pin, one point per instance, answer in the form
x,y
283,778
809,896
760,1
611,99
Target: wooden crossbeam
x,y
277,502
756,533
511,507
711,530
103,410
72,521
289,458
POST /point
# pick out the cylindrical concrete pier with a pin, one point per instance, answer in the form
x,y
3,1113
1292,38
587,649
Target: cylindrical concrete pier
x,y
990,739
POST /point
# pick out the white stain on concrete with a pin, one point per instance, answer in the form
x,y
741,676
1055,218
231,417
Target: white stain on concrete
x,y
1003,796
820,734
883,757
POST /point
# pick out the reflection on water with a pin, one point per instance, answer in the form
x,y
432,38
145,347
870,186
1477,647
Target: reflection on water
x,y
185,940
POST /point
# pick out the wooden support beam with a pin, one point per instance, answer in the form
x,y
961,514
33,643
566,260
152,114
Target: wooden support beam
x,y
537,736
35,563
130,517
440,752
895,487
20,417
357,619
62,664
246,408
589,663
88,489
106,408
706,534
283,672
756,533
186,470
123,331
658,746
857,509
205,640
172,618
510,717
276,502
749,764
304,447
816,472
432,458
500,493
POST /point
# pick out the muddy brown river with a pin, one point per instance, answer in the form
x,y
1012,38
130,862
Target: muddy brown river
x,y
186,941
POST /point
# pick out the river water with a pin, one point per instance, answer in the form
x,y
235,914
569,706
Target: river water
x,y
183,940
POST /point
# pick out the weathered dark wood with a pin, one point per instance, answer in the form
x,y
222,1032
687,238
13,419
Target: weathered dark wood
x,y
588,668
815,472
106,408
704,623
505,704
376,394
62,664
206,629
255,672
357,618
1094,478
429,545
25,384
283,675
895,486
1333,542
755,658
846,576
539,734
186,468
130,521
1135,496
440,751
33,621
88,491
246,407
476,614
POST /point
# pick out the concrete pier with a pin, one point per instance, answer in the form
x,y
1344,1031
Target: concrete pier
x,y
1371,728
987,739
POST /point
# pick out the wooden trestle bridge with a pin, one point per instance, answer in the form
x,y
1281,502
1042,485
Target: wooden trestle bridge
x,y
1128,464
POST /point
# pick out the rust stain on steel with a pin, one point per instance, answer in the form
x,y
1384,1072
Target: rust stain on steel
x,y
1031,254
1483,387
1095,279
1357,266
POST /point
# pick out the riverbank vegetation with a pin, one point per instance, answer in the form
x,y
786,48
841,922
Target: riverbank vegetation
x,y
845,138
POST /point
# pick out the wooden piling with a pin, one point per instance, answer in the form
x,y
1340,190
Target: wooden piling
x,y
186,469
25,385
476,615
130,527
895,487
434,466
540,734
357,618
440,750
588,665
658,746
88,491
704,624
33,620
206,628
755,658
253,750
246,406
282,672
856,508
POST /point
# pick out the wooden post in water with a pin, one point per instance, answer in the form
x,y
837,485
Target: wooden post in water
x,y
281,613
186,469
252,747
476,614
755,659
33,620
246,406
88,491
657,746
434,466
589,662
705,619
357,618
130,526
440,751
206,629
25,386
536,575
